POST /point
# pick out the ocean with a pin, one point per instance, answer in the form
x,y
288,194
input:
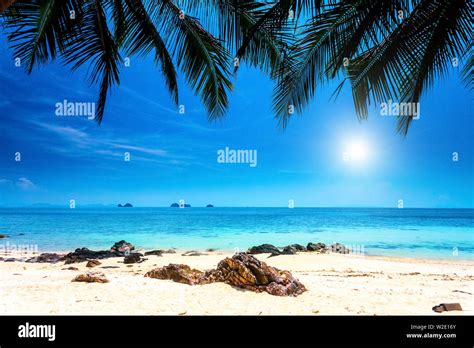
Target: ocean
x,y
415,233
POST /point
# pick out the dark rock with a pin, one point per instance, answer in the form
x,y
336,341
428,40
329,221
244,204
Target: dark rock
x,y
21,234
288,250
177,273
10,259
339,248
70,269
120,206
3,236
107,267
264,249
91,277
154,252
84,254
209,206
321,247
126,205
46,258
93,263
122,247
119,249
133,258
298,247
242,270
169,251
211,250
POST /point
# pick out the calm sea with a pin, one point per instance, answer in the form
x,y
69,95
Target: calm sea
x,y
417,233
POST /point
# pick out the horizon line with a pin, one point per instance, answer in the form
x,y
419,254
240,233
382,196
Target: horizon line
x,y
100,205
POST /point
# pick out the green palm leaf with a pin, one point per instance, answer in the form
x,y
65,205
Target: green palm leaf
x,y
39,35
142,36
94,44
202,58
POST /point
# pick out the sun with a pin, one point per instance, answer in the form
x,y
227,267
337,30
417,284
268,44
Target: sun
x,y
356,152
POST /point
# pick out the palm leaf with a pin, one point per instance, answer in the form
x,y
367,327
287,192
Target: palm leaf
x,y
94,44
36,30
202,58
142,36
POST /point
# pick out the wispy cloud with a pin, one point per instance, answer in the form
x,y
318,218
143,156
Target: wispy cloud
x,y
77,142
25,184
156,152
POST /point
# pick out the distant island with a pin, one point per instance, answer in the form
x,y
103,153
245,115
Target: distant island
x,y
126,205
176,205
209,206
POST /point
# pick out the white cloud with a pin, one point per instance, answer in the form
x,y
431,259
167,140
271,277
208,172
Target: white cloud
x,y
25,184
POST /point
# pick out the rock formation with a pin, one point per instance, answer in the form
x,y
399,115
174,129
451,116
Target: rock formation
x,y
177,273
133,258
321,247
242,271
264,249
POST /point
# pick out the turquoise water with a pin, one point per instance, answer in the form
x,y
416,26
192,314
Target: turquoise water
x,y
417,233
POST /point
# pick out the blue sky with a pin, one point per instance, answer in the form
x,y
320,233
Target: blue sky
x,y
174,156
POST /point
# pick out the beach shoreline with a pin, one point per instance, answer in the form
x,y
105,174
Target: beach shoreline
x,y
337,284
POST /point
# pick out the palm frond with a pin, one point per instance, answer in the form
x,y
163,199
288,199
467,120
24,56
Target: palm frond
x,y
407,63
36,30
142,37
202,58
94,44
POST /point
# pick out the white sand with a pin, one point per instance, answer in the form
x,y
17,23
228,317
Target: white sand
x,y
337,284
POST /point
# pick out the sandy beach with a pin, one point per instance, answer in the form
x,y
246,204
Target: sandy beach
x,y
337,284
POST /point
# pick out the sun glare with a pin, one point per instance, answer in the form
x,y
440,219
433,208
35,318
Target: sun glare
x,y
356,152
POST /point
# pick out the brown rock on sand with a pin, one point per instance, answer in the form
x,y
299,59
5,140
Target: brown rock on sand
x,y
93,263
245,271
91,277
178,273
447,307
242,270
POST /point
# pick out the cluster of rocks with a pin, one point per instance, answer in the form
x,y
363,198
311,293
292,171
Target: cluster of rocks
x,y
242,270
119,249
294,248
